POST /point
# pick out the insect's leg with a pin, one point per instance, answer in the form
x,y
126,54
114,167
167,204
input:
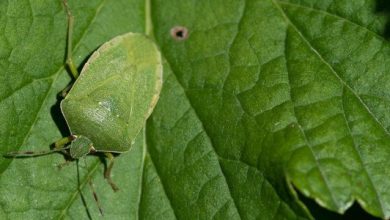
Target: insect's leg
x,y
93,191
69,60
65,91
95,197
64,141
107,173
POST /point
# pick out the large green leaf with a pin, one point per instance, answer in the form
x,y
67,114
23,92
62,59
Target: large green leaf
x,y
263,96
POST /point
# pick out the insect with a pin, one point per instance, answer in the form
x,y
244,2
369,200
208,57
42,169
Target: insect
x,y
111,98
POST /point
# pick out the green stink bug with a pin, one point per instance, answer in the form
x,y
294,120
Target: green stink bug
x,y
111,99
113,96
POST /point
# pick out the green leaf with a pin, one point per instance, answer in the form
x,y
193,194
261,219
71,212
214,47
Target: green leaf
x,y
263,98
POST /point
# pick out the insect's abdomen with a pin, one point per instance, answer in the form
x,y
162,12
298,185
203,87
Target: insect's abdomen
x,y
115,93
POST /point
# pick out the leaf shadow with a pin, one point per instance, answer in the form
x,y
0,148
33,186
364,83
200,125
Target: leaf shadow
x,y
58,118
55,110
321,213
383,7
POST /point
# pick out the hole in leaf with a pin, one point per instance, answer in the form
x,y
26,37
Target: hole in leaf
x,y
179,33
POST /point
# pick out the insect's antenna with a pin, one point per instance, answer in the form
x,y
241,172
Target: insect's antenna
x,y
33,153
94,192
58,147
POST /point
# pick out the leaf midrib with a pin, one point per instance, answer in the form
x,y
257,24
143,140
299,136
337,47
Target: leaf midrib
x,y
208,136
203,128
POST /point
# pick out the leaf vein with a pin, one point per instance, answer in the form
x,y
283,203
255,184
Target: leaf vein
x,y
329,14
210,141
331,68
379,199
308,145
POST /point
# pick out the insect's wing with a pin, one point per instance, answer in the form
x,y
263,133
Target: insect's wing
x,y
115,93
